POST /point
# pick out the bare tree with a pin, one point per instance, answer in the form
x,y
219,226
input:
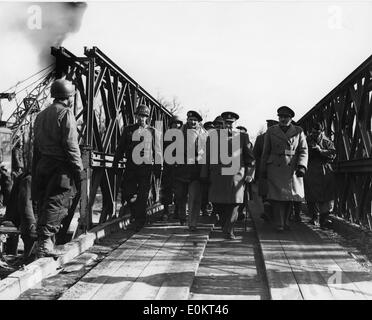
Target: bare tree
x,y
174,106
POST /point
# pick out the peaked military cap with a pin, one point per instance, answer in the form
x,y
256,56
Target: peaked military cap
x,y
143,110
218,119
229,116
242,128
208,125
193,113
284,110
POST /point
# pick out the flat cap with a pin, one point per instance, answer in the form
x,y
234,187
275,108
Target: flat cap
x,y
284,110
195,114
229,116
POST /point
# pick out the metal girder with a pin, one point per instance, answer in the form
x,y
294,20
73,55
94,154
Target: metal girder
x,y
346,113
107,98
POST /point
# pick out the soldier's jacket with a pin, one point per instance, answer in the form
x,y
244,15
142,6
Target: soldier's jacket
x,y
152,152
194,140
56,137
319,178
282,154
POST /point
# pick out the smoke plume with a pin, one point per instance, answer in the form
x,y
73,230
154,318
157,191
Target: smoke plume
x,y
45,24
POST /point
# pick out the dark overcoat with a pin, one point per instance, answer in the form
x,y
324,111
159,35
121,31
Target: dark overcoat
x,y
229,187
319,178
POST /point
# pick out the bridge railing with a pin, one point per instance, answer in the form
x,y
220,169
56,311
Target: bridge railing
x,y
106,101
346,113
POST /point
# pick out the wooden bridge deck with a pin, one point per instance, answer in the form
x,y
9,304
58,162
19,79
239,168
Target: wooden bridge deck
x,y
301,265
166,261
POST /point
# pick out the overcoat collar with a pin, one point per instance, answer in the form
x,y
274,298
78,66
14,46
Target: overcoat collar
x,y
292,131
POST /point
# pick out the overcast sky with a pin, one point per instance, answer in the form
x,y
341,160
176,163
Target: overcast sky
x,y
246,56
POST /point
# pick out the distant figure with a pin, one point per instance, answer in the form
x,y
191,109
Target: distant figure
x,y
319,178
283,164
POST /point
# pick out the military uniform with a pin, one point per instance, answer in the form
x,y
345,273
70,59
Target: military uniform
x,y
137,176
187,175
56,166
283,164
319,178
227,191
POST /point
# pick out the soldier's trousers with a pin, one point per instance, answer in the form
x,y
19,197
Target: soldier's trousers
x,y
188,192
137,180
228,215
55,195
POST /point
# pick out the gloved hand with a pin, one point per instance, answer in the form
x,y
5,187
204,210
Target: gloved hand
x,y
300,172
248,179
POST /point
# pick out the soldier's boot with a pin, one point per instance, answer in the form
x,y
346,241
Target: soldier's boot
x,y
315,220
46,249
324,221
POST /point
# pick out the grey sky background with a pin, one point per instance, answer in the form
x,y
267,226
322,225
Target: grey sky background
x,y
245,56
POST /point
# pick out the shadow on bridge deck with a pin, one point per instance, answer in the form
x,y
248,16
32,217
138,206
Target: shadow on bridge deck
x,y
302,265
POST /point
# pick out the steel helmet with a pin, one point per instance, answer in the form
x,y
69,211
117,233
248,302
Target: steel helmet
x,y
62,89
143,110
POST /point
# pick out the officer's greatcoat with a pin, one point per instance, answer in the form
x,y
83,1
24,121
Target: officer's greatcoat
x,y
319,178
282,154
228,188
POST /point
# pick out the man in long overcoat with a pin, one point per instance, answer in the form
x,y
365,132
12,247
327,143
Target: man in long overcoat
x,y
283,164
226,189
319,178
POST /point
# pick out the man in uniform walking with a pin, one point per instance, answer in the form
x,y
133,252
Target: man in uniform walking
x,y
319,178
168,174
142,162
262,183
187,175
283,164
226,190
56,165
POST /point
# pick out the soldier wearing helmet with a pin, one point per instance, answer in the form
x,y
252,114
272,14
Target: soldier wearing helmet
x,y
56,167
140,144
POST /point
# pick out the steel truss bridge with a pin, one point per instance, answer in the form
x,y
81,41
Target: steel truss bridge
x,y
107,98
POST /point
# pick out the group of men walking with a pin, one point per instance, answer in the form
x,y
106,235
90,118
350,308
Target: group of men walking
x,y
198,165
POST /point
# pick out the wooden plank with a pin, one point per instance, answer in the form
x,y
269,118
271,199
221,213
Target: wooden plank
x,y
282,282
342,273
93,280
182,270
134,273
312,284
123,278
156,272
